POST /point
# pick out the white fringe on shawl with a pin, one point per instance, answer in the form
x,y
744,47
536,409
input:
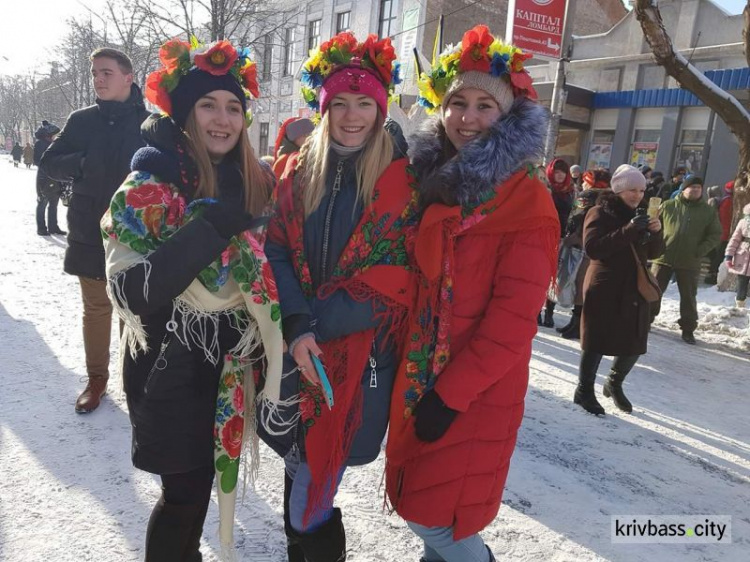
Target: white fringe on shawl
x,y
199,308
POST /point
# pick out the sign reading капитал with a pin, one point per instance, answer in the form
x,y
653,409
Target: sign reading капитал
x,y
536,26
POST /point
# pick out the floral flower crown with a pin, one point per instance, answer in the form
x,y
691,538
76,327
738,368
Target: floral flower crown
x,y
478,51
343,50
218,58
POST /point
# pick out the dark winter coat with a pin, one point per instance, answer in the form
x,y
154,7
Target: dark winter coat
x,y
333,317
574,238
616,319
172,409
691,230
16,152
94,150
499,284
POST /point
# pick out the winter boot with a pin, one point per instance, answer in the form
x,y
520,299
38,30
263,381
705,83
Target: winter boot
x,y
739,303
549,311
57,230
613,389
327,543
293,549
42,232
584,395
688,337
575,317
574,332
91,396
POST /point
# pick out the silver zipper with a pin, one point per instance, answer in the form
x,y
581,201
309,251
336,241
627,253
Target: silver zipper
x,y
373,367
329,214
160,364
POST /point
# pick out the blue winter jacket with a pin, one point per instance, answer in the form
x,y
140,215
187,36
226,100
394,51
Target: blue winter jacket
x,y
335,316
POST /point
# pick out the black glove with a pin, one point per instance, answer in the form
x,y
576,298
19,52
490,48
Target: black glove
x,y
432,417
640,222
229,220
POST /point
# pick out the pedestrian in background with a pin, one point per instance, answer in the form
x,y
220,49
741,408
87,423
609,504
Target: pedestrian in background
x,y
47,189
28,155
738,255
616,317
94,150
691,230
16,152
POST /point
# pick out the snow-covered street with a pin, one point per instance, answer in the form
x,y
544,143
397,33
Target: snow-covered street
x,y
68,491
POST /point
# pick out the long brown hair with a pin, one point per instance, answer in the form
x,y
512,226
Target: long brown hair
x,y
313,163
257,183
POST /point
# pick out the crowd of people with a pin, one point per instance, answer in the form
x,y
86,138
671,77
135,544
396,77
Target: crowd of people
x,y
355,283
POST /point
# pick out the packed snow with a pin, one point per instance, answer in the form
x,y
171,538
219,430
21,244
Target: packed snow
x,y
69,492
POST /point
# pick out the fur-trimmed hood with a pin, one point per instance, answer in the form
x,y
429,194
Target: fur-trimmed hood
x,y
517,138
613,205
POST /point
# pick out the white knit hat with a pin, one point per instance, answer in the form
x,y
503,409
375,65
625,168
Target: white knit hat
x,y
627,177
497,87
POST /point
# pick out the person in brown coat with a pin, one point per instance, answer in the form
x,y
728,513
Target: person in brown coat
x,y
615,319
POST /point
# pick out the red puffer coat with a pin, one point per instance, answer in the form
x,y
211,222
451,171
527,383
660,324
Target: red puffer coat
x,y
502,267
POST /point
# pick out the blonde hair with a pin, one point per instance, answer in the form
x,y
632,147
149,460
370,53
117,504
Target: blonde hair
x,y
257,184
313,164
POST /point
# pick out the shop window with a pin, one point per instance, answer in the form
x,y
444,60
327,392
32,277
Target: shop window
x,y
600,150
690,150
645,147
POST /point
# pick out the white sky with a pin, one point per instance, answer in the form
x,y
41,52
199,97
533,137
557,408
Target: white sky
x,y
31,29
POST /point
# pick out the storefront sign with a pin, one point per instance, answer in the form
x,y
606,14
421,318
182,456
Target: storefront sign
x,y
644,153
600,154
536,26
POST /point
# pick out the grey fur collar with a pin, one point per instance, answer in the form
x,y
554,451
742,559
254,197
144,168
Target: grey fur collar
x,y
515,140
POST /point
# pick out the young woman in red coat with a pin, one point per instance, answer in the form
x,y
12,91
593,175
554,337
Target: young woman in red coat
x,y
486,252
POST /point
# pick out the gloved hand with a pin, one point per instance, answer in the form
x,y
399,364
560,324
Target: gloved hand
x,y
730,260
229,220
432,417
640,222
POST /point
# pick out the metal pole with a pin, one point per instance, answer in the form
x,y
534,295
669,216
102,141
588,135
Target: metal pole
x,y
557,104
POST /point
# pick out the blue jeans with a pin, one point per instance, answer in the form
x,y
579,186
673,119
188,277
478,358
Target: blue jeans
x,y
300,474
439,545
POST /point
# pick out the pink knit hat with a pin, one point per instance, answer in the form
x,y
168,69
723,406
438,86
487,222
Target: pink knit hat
x,y
627,177
356,80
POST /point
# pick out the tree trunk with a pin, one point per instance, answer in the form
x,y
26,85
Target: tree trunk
x,y
726,106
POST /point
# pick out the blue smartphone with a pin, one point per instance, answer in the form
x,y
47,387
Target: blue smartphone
x,y
327,389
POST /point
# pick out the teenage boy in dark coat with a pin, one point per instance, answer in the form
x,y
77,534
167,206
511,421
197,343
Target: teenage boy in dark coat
x,y
94,150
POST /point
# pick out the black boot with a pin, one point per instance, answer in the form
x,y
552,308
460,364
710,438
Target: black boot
x,y
613,389
549,311
584,395
326,543
293,549
574,332
575,316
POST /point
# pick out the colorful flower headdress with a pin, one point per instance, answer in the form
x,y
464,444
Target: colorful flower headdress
x,y
219,58
377,56
478,51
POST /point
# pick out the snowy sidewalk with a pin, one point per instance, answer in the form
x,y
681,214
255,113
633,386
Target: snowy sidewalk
x,y
69,492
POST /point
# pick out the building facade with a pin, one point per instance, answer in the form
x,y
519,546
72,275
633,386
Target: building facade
x,y
282,45
622,108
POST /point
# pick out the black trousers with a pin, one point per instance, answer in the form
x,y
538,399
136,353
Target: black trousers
x,y
50,203
176,523
687,284
742,284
